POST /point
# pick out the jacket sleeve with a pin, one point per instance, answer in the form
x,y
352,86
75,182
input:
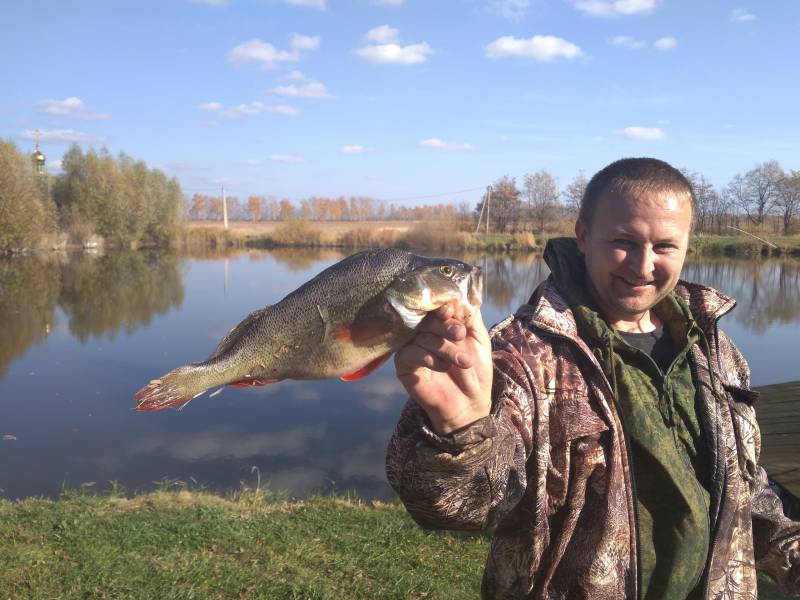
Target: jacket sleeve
x,y
776,538
471,478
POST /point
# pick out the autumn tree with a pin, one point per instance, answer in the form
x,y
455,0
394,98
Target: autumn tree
x,y
25,214
541,193
503,207
254,207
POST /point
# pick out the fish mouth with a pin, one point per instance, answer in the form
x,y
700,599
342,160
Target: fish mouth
x,y
475,287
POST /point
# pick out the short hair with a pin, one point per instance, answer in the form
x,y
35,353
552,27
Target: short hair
x,y
633,176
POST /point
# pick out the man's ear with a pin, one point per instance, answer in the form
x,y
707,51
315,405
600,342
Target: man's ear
x,y
581,233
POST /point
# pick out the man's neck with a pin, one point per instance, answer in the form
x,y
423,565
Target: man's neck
x,y
644,323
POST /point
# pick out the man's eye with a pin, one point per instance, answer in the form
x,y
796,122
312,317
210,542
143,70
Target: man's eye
x,y
622,242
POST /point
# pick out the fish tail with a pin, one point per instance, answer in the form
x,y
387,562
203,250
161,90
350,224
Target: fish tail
x,y
173,390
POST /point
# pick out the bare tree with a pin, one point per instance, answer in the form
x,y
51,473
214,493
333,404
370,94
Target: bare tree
x,y
573,194
756,192
788,201
541,192
707,199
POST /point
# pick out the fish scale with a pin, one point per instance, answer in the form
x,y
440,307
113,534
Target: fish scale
x,y
342,323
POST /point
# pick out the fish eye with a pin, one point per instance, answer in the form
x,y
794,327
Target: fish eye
x,y
446,270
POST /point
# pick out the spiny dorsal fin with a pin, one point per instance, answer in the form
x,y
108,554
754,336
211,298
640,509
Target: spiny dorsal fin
x,y
228,341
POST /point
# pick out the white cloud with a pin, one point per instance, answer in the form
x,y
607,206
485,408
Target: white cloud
x,y
742,15
392,54
438,144
71,107
383,35
210,106
311,89
287,158
269,56
665,43
60,136
616,8
319,4
250,162
303,43
648,134
211,2
628,42
354,149
388,2
294,76
513,10
250,108
541,48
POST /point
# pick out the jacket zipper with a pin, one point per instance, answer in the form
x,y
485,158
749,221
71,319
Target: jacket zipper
x,y
621,419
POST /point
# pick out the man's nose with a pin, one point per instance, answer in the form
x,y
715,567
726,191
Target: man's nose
x,y
642,262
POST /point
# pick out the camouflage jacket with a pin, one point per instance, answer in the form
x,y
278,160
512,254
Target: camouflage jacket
x,y
548,470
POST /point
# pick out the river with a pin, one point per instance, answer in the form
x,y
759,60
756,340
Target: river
x,y
82,332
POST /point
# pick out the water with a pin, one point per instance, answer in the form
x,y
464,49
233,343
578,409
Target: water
x,y
81,333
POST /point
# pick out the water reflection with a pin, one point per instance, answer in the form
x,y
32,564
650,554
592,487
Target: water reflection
x,y
767,292
98,294
28,293
111,327
102,295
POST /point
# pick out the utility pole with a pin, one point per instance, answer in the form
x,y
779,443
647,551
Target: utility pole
x,y
224,208
480,215
488,206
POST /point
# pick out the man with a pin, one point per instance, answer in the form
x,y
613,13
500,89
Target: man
x,y
609,438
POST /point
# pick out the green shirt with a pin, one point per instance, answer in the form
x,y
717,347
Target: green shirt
x,y
670,462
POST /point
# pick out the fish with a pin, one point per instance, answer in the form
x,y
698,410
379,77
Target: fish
x,y
345,322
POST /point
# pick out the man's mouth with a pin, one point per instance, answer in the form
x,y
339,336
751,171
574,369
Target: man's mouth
x,y
636,283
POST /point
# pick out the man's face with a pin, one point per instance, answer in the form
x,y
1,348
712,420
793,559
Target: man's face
x,y
635,248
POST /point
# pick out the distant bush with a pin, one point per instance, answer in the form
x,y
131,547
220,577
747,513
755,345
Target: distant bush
x,y
438,235
297,233
26,211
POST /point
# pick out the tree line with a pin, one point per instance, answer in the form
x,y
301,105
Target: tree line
x,y
766,198
203,207
118,198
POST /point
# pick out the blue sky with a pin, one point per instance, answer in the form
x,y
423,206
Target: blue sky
x,y
402,99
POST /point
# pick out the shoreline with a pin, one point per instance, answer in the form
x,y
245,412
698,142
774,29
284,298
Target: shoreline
x,y
410,235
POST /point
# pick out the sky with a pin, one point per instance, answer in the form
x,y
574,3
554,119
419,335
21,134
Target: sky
x,y
412,101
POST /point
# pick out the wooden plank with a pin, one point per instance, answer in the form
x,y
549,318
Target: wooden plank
x,y
778,412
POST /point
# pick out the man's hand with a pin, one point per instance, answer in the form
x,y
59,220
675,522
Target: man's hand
x,y
447,368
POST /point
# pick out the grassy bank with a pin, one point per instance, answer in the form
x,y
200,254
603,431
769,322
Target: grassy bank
x,y
432,236
194,545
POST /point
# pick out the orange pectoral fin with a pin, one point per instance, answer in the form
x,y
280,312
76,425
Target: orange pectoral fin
x,y
252,382
366,369
361,332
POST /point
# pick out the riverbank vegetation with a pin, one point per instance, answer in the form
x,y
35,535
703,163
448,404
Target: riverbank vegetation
x,y
96,199
192,544
101,199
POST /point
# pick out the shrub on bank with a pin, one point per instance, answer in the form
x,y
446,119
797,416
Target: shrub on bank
x,y
297,232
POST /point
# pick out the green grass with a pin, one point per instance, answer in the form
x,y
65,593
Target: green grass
x,y
195,545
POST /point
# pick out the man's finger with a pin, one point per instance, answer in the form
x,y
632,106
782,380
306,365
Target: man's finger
x,y
412,358
444,349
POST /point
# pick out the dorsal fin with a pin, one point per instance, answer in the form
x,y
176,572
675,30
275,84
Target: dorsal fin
x,y
233,335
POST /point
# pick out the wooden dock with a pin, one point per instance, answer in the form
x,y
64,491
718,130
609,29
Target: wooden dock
x,y
778,412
